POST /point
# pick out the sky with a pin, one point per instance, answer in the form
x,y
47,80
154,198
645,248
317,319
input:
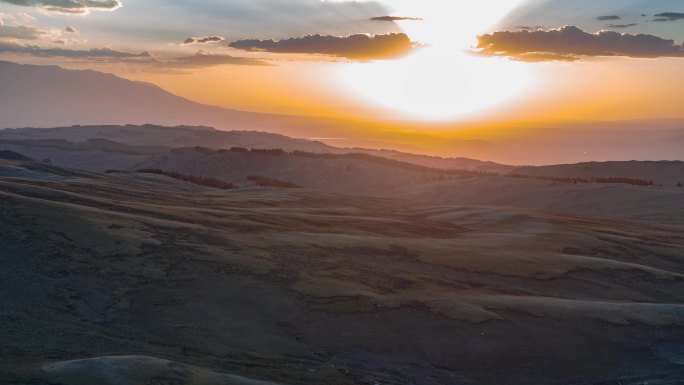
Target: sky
x,y
431,61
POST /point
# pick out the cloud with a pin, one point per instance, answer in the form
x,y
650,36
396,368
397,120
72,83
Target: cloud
x,y
154,24
203,40
205,59
360,46
622,26
605,18
101,53
70,30
526,28
146,60
669,16
394,18
534,57
67,6
570,43
22,32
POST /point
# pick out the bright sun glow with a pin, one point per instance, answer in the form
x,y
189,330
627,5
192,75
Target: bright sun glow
x,y
441,81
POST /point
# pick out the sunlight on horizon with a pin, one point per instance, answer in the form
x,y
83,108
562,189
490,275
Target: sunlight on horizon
x,y
441,81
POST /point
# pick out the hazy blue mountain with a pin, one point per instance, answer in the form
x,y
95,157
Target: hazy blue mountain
x,y
49,96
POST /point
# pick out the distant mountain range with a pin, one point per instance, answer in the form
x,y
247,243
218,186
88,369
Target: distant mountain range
x,y
97,148
50,96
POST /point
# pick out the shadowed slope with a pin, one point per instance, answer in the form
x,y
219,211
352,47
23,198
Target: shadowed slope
x,y
310,287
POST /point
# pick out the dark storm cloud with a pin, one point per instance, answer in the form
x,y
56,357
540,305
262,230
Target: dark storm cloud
x,y
570,43
203,40
67,6
70,30
359,46
605,18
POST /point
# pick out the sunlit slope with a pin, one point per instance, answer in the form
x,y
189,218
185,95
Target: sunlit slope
x,y
653,204
668,174
309,287
452,181
421,179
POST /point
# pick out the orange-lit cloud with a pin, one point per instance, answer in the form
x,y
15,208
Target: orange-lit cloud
x,y
357,46
569,43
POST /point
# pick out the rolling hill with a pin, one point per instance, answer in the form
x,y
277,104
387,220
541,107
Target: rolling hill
x,y
149,280
153,139
406,176
667,173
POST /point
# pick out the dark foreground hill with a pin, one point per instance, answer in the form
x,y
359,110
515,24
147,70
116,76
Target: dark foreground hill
x,y
143,279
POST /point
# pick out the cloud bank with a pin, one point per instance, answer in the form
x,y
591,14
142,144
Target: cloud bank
x,y
145,60
395,18
204,59
67,6
671,16
359,46
22,32
570,43
101,53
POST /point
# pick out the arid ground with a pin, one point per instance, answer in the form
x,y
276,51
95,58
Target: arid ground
x,y
128,278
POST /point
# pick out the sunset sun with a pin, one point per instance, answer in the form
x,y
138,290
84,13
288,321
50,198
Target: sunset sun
x,y
430,85
444,79
341,192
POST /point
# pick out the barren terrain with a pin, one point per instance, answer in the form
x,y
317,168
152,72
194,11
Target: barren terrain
x,y
142,279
